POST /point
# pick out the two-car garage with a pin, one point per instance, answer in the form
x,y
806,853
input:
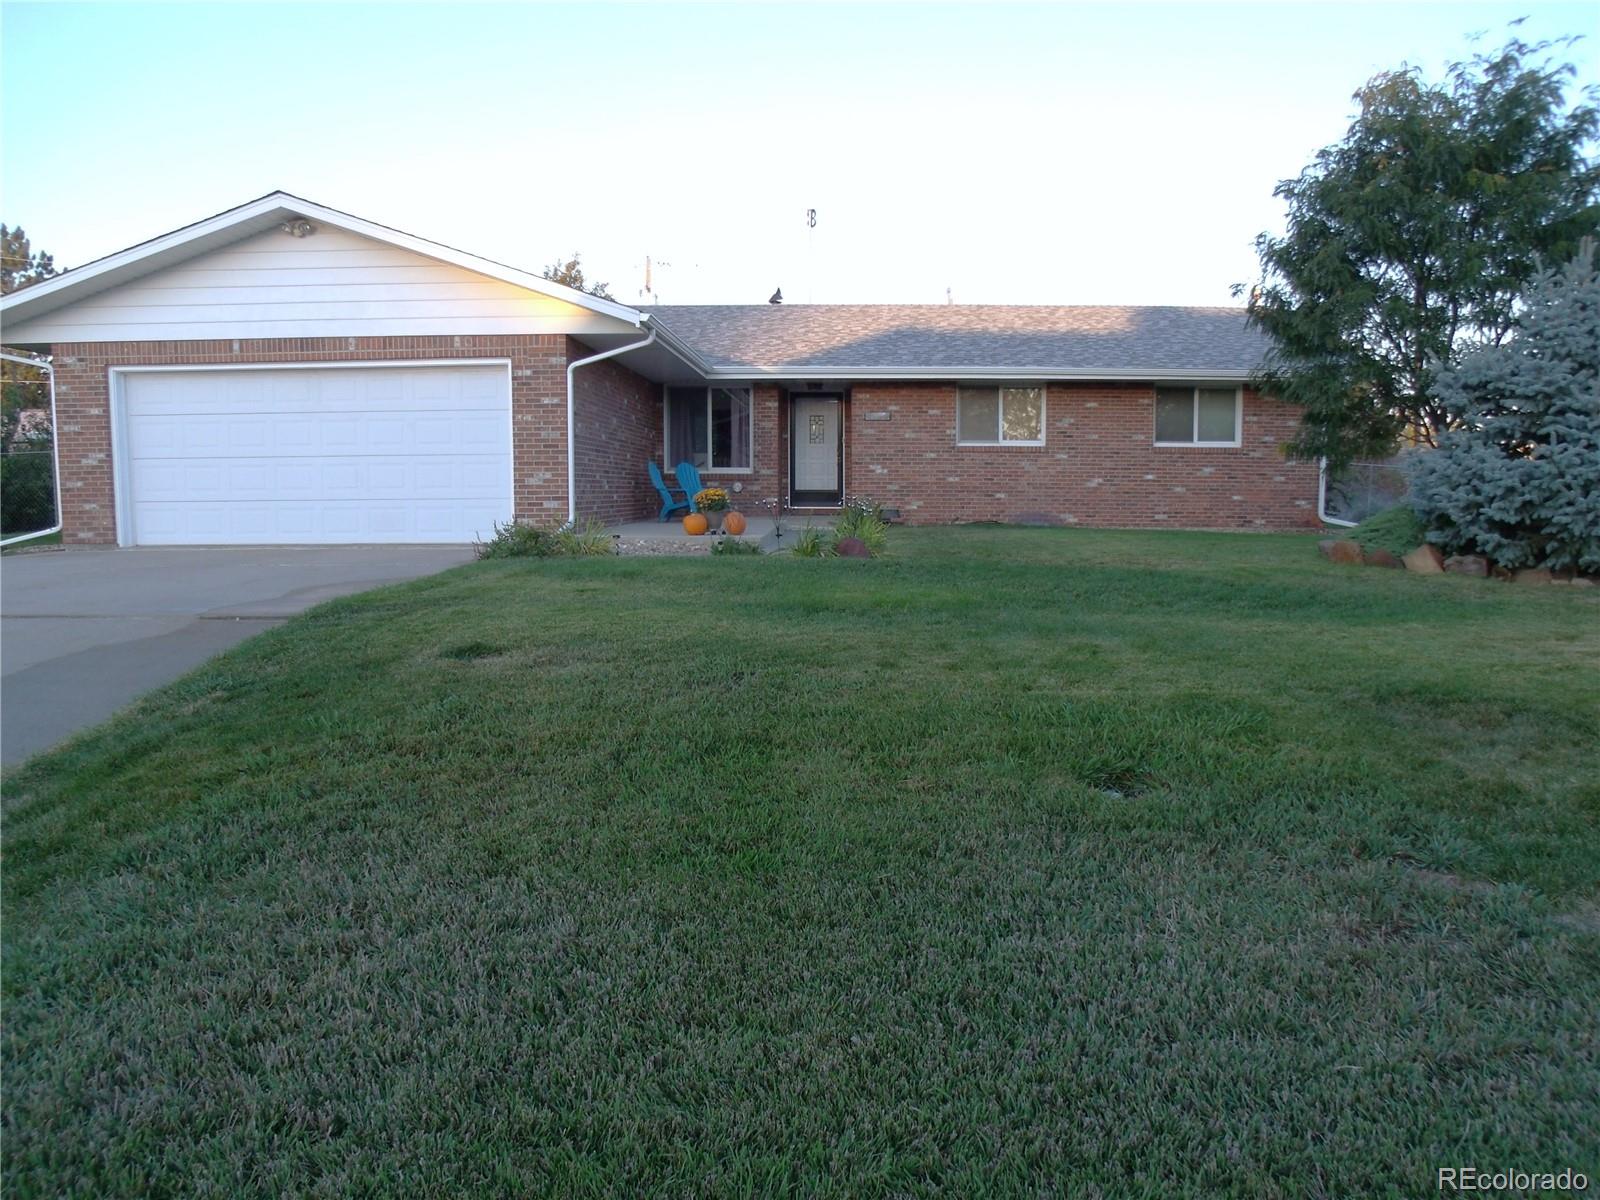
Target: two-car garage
x,y
312,454
284,373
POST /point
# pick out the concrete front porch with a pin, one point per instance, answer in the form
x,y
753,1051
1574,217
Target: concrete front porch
x,y
668,537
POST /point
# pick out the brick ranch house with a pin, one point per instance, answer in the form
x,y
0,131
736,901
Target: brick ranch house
x,y
286,373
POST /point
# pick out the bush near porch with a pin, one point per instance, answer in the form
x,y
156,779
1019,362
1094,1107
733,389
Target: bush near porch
x,y
1016,861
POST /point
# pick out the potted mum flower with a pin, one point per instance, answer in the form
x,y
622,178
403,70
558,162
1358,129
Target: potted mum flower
x,y
713,501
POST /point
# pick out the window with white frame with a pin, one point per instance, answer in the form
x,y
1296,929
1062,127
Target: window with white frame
x,y
1000,416
1197,416
710,427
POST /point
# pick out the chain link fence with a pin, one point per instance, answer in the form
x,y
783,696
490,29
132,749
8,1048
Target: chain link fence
x,y
27,458
1365,488
27,491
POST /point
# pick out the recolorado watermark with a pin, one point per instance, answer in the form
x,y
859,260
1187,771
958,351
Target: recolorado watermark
x,y
1472,1179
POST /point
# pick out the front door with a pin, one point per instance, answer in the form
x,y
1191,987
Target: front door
x,y
814,475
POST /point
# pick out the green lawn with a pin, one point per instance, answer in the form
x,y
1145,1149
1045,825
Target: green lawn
x,y
1032,861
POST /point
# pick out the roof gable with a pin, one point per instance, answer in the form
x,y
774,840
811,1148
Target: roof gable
x,y
278,213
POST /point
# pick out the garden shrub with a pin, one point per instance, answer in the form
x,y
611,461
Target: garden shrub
x,y
862,518
517,541
1517,478
580,539
1395,529
529,541
733,545
863,506
812,544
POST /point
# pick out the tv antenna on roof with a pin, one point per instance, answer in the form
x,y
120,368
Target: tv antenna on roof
x,y
811,238
648,291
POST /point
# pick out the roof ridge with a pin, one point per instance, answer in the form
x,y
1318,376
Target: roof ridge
x,y
1082,340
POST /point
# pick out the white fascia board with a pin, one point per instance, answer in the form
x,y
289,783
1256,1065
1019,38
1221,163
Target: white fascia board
x,y
947,374
460,258
249,217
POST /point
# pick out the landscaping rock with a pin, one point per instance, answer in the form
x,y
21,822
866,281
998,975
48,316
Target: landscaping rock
x,y
663,545
1475,565
852,548
1582,581
1531,575
1377,556
1425,560
1340,550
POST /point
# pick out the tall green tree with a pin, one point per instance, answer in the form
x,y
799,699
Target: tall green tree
x,y
20,264
24,401
570,273
1409,242
1517,476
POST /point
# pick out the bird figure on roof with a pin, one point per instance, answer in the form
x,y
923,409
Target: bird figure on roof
x,y
776,297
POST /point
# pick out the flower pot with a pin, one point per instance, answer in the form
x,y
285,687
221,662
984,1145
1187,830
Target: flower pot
x,y
714,520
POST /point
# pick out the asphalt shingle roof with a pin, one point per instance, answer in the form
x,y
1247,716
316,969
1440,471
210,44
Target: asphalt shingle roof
x,y
991,336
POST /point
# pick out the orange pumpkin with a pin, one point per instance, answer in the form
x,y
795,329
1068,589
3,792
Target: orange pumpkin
x,y
734,523
694,524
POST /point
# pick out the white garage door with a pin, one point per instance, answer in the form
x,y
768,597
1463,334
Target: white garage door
x,y
323,454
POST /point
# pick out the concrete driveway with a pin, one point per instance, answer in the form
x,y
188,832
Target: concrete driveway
x,y
84,632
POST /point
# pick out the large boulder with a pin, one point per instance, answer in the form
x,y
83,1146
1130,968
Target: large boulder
x,y
1377,556
852,548
1475,565
1531,575
1425,560
1340,550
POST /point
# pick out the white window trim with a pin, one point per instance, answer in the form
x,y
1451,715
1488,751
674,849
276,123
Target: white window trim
x,y
1000,415
1194,417
671,468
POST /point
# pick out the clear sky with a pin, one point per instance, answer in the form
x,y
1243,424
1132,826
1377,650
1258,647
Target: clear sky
x,y
1039,154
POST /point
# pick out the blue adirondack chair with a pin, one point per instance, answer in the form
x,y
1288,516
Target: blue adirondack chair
x,y
689,481
669,503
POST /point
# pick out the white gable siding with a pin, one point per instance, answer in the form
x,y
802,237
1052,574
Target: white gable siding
x,y
331,284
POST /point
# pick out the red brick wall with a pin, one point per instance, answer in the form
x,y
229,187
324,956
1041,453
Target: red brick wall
x,y
1098,465
83,426
618,418
771,476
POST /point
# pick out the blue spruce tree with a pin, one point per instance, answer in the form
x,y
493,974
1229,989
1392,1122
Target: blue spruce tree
x,y
1517,477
